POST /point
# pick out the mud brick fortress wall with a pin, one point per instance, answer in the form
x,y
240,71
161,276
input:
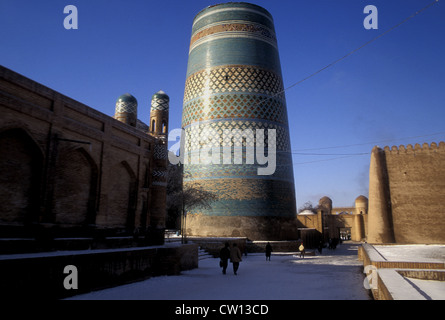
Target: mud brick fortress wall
x,y
407,194
67,166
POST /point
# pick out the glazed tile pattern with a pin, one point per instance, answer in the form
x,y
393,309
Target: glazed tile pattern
x,y
160,101
240,29
232,78
234,106
160,152
246,197
232,13
234,84
212,132
126,103
234,171
246,52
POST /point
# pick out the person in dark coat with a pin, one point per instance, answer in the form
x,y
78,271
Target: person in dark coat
x,y
320,246
224,255
268,251
235,258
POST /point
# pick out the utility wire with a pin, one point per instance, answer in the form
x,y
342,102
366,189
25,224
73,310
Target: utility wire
x,y
330,154
332,64
347,155
366,143
353,51
324,160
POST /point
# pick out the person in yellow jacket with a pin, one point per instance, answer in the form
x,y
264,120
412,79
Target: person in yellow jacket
x,y
235,257
301,248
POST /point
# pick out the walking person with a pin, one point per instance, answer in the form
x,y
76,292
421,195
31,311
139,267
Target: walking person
x,y
224,255
320,246
235,257
268,251
301,248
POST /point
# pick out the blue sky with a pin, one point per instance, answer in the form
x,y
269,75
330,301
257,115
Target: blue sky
x,y
391,92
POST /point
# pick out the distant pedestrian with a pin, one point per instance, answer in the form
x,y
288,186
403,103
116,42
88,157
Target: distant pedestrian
x,y
235,257
136,234
224,255
268,251
301,248
320,246
334,243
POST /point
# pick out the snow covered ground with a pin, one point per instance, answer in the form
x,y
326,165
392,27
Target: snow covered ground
x,y
432,253
432,290
412,252
335,275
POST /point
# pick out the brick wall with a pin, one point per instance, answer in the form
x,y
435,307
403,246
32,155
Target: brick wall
x,y
412,181
20,168
389,275
41,276
72,186
66,164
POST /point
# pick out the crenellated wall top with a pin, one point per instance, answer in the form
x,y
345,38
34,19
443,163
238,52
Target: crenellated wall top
x,y
424,148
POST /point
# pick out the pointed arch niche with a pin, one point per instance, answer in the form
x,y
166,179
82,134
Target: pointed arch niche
x,y
21,165
122,197
75,188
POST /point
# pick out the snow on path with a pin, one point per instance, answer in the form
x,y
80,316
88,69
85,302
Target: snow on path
x,y
334,275
435,290
413,253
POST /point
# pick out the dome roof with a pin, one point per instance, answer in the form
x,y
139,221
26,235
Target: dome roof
x,y
160,101
325,200
306,213
160,95
126,103
325,203
126,97
361,204
361,199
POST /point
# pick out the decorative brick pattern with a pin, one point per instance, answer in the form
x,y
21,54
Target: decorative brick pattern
x,y
126,103
196,133
160,152
232,29
160,101
232,78
235,106
78,168
233,93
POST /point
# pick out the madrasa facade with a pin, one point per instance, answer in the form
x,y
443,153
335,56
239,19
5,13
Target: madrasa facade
x,y
69,170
